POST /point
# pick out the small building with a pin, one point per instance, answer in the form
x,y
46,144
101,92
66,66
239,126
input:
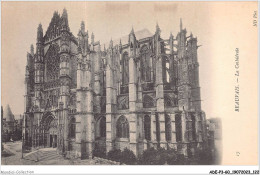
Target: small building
x,y
12,125
8,120
214,132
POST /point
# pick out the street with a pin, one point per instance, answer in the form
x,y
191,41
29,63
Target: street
x,y
45,156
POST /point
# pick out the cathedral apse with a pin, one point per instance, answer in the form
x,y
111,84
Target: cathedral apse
x,y
137,94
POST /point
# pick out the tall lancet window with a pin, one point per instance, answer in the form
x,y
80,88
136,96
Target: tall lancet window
x,y
147,127
168,128
102,126
122,127
125,69
72,128
145,64
178,126
193,126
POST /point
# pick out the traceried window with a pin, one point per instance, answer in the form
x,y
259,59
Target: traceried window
x,y
168,102
178,126
148,101
104,76
122,127
190,128
193,127
52,63
125,69
37,76
102,126
157,124
168,128
145,64
147,127
72,128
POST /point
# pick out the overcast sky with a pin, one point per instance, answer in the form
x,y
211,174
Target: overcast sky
x,y
106,20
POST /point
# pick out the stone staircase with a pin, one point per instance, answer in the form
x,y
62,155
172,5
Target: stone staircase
x,y
43,154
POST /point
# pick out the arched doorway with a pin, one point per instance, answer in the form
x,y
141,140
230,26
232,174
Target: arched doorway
x,y
49,131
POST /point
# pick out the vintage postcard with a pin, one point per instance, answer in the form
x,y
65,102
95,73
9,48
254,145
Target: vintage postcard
x,y
129,83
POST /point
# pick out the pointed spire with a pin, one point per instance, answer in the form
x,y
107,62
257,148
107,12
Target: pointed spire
x,y
82,26
171,36
132,31
39,33
55,14
92,38
111,43
191,35
30,58
32,50
64,13
132,38
180,24
157,26
55,17
120,45
40,27
158,30
28,64
64,20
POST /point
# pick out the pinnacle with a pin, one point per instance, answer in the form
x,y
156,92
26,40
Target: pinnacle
x,y
132,31
32,49
82,26
40,26
111,43
180,23
157,27
64,12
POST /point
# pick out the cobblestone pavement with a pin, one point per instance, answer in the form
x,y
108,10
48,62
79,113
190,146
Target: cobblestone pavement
x,y
45,156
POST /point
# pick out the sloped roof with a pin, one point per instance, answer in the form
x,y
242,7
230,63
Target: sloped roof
x,y
8,115
140,34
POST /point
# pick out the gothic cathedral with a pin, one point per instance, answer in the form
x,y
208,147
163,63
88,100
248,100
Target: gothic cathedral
x,y
136,95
